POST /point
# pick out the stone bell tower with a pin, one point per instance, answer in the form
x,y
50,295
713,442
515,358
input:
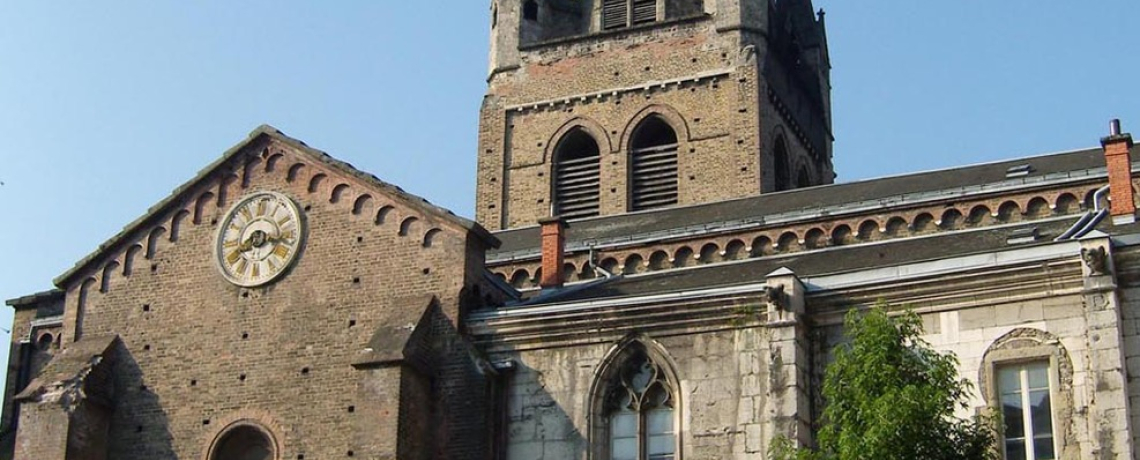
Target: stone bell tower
x,y
604,107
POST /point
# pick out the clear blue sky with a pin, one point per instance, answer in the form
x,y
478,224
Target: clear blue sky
x,y
107,106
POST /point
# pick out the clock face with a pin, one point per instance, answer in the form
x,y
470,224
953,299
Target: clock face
x,y
258,239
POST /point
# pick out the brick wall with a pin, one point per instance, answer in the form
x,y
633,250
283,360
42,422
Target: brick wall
x,y
200,350
43,433
706,82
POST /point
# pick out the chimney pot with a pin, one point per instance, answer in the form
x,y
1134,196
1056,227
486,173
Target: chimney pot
x,y
1114,127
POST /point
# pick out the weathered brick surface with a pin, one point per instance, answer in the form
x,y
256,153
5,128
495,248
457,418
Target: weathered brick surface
x,y
43,433
708,81
1119,160
200,350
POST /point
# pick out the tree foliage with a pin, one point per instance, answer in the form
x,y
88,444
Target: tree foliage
x,y
890,396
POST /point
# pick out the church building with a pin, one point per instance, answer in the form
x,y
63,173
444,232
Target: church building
x,y
658,269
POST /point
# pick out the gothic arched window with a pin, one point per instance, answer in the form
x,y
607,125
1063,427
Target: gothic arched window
x,y
653,160
625,13
577,167
782,176
804,178
637,408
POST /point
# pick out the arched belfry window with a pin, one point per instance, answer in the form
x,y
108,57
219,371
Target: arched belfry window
x,y
636,412
625,13
803,179
653,171
780,163
577,167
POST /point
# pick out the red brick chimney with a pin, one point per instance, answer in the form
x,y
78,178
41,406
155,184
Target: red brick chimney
x,y
1118,157
553,251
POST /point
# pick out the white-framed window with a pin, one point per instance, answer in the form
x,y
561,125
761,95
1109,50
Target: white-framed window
x,y
1025,391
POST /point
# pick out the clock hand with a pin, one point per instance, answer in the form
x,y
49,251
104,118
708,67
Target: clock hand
x,y
246,245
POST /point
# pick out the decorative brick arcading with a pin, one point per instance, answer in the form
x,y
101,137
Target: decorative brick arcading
x,y
775,240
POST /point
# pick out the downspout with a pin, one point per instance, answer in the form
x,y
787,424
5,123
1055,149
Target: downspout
x,y
1088,221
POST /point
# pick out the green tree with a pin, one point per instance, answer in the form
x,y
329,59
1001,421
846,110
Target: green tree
x,y
889,396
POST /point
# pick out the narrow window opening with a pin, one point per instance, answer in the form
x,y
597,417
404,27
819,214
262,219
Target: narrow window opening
x,y
577,169
45,342
803,179
530,10
654,165
1027,411
783,182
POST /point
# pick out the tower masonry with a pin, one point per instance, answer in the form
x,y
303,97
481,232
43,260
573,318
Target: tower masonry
x,y
604,107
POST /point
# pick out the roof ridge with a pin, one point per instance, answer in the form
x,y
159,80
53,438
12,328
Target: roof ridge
x,y
271,132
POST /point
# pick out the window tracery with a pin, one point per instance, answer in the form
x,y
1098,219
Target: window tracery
x,y
639,408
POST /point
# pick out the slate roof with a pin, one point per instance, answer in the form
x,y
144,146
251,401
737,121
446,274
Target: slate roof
x,y
812,202
831,261
157,211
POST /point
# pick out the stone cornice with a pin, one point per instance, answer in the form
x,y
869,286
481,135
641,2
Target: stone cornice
x,y
711,76
1013,275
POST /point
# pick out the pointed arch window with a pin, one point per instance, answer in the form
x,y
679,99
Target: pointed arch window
x,y
782,176
639,409
653,165
617,14
577,167
804,178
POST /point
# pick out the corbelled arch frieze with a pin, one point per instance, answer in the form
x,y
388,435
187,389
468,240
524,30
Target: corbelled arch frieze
x,y
844,231
208,199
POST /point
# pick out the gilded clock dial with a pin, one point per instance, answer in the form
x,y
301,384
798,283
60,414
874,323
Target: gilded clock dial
x,y
259,239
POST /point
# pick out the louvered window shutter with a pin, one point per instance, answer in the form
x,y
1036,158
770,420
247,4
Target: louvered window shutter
x,y
653,168
615,14
577,187
644,11
577,171
655,177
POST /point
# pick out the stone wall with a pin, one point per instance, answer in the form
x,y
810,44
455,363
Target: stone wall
x,y
1057,313
723,391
